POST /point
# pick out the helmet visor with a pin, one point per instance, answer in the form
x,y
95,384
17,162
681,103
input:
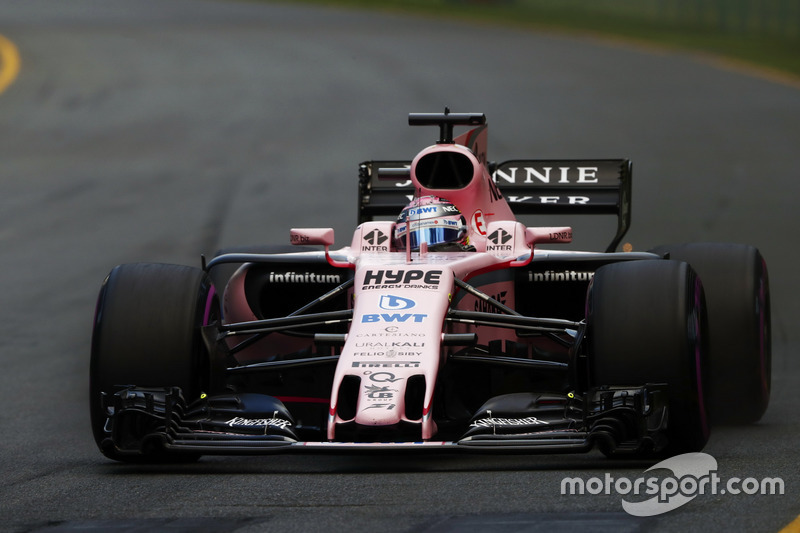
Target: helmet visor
x,y
429,233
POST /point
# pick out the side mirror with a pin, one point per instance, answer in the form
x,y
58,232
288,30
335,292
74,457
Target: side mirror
x,y
534,236
302,236
323,236
562,234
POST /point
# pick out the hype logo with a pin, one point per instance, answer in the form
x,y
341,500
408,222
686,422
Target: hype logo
x,y
390,302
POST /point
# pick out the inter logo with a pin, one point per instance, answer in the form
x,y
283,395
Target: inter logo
x,y
500,236
375,237
375,240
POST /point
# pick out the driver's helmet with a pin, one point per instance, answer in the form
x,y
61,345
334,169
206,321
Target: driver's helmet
x,y
435,221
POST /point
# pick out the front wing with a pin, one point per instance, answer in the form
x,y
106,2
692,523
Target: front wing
x,y
616,420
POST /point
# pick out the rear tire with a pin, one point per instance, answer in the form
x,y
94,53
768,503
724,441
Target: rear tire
x,y
646,324
736,284
147,333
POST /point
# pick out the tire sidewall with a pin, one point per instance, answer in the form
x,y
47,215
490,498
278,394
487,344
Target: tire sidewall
x,y
147,333
647,324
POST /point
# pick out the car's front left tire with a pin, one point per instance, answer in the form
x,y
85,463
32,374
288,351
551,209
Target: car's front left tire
x,y
147,333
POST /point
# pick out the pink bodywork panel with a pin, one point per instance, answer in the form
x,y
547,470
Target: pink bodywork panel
x,y
401,299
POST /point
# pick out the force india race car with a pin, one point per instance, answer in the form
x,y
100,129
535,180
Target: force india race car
x,y
442,326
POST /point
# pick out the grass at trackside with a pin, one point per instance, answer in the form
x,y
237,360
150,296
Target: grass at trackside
x,y
781,54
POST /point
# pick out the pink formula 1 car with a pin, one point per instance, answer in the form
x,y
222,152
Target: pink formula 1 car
x,y
442,326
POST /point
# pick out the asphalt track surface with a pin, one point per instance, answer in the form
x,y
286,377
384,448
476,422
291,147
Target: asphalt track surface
x,y
157,131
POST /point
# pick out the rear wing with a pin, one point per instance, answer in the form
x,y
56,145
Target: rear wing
x,y
531,187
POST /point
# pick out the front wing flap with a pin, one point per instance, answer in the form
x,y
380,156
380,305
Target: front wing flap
x,y
616,420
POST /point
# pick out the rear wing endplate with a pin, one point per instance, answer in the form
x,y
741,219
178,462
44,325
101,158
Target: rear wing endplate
x,y
531,187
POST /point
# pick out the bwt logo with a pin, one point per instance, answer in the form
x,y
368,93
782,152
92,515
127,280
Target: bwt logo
x,y
421,211
393,317
390,302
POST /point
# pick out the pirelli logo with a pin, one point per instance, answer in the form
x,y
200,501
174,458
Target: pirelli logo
x,y
386,364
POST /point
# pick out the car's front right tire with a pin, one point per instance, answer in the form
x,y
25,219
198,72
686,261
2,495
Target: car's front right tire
x,y
647,324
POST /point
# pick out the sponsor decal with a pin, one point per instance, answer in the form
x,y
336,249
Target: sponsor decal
x,y
405,183
402,278
571,200
390,352
389,302
303,277
494,192
563,175
492,422
478,224
387,353
422,211
436,210
376,392
400,229
379,396
561,200
386,364
393,317
561,235
393,344
486,307
391,331
565,275
498,241
381,377
375,242
259,422
387,406
500,236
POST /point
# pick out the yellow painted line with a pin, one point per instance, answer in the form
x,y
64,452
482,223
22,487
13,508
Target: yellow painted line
x,y
719,61
794,527
750,69
9,63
